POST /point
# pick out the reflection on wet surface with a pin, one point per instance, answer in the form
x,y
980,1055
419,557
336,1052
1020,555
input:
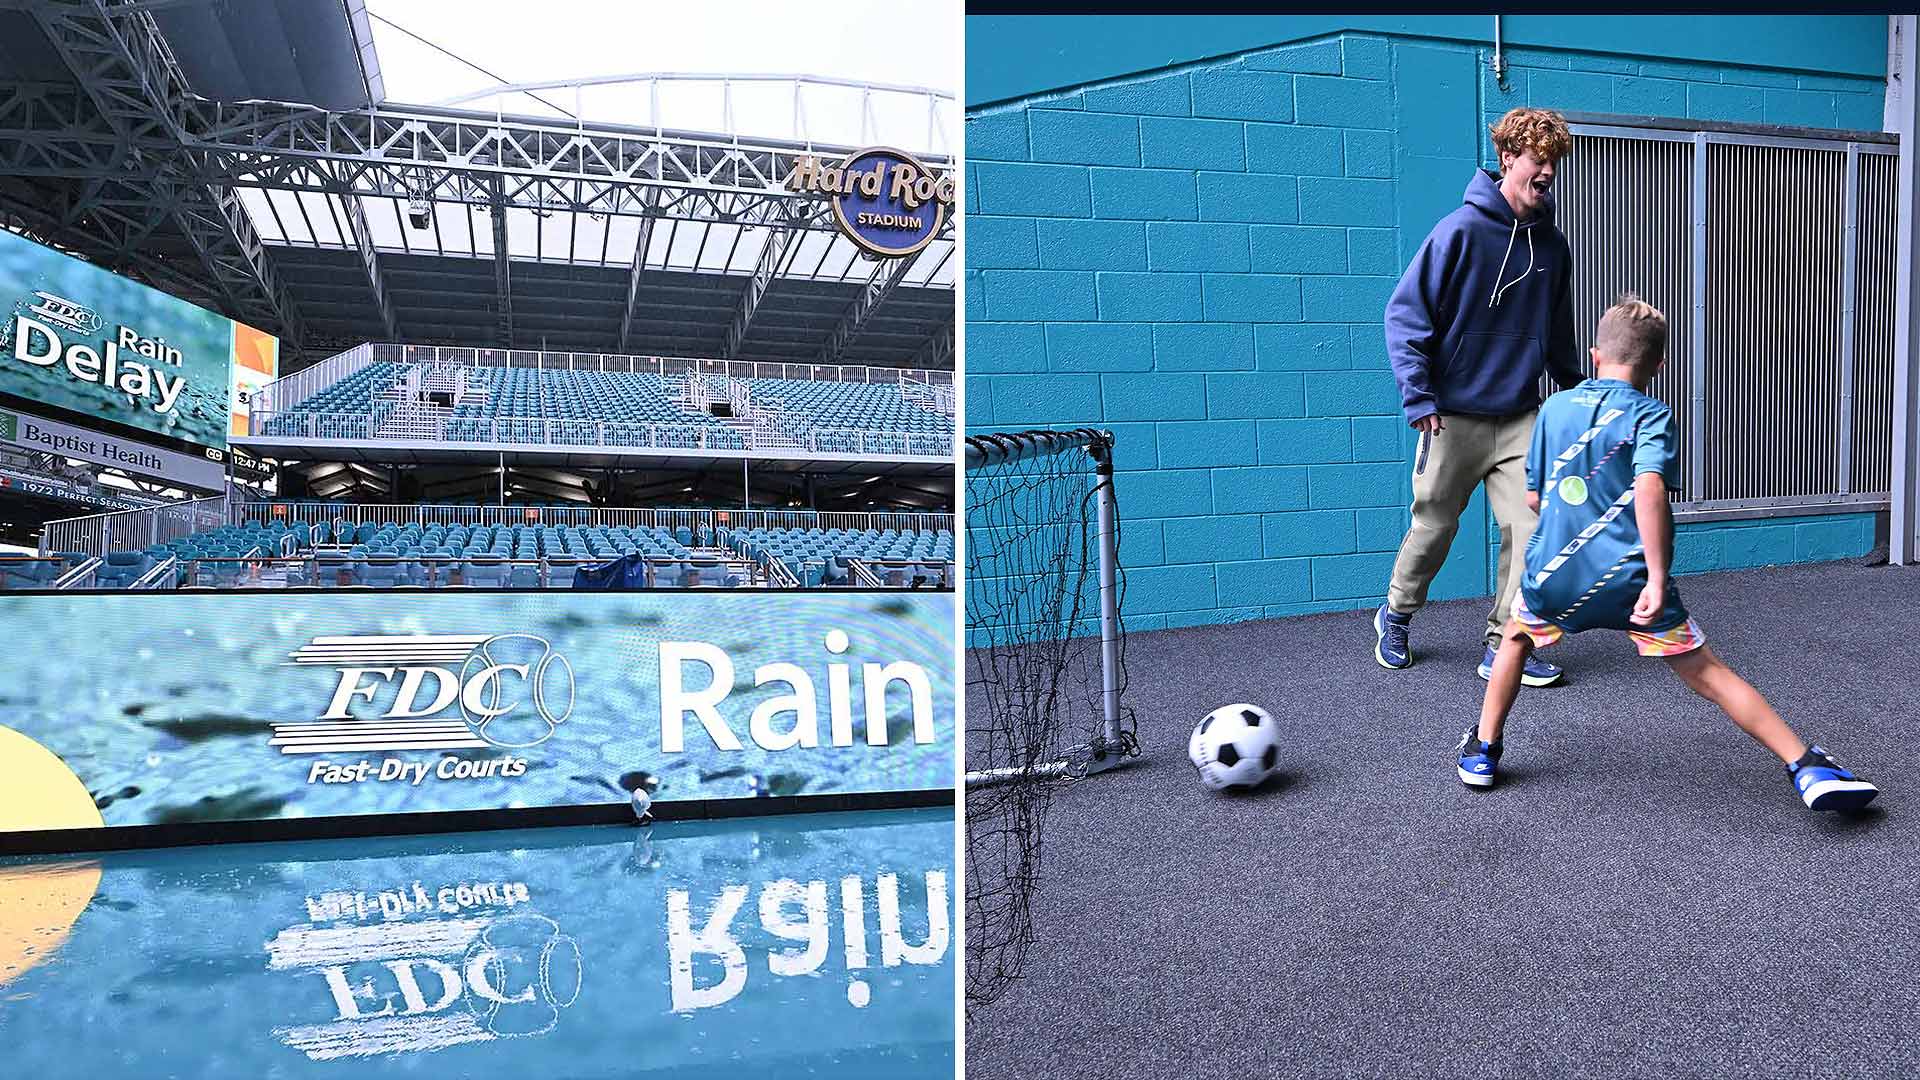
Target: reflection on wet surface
x,y
778,945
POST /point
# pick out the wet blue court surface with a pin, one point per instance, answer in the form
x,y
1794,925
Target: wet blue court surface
x,y
813,944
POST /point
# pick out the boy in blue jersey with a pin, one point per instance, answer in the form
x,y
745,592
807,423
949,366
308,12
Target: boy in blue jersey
x,y
1601,463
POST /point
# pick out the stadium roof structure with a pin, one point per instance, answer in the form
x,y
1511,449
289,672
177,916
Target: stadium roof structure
x,y
156,139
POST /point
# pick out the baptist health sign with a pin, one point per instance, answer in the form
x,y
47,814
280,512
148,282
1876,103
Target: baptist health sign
x,y
205,470
883,199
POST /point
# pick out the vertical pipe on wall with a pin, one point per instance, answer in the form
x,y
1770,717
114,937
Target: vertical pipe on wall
x,y
1499,54
1900,533
1697,422
1849,260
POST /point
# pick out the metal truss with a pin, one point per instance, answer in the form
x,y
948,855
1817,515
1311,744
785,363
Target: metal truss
x,y
641,243
370,261
885,278
936,353
142,158
502,265
140,97
779,242
444,158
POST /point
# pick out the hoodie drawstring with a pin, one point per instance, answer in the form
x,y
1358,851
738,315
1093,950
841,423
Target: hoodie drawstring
x,y
1494,300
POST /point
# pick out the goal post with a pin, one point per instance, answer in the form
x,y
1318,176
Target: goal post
x,y
1045,668
1036,485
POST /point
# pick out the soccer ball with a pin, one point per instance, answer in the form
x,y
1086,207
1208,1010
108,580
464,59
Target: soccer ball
x,y
1235,746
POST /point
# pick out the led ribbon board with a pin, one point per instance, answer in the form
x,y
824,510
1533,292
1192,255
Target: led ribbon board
x,y
174,709
883,199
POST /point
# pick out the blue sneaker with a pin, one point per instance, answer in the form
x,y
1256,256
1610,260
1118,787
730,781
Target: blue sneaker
x,y
1390,639
1825,785
1536,672
1479,761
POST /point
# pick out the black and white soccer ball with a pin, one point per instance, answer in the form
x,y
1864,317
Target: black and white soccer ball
x,y
1235,746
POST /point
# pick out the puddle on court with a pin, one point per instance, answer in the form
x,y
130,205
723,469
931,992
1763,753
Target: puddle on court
x,y
783,945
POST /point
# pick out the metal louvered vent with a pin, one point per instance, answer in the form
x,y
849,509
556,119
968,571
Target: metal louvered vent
x,y
1871,466
1626,207
1772,258
1775,238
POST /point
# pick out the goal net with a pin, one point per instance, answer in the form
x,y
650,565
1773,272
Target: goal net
x,y
1045,668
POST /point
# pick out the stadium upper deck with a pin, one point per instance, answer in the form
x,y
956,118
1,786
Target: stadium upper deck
x,y
249,163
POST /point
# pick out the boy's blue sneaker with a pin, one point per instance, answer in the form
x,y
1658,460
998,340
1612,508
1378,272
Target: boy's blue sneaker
x,y
1825,785
1479,761
1536,672
1390,639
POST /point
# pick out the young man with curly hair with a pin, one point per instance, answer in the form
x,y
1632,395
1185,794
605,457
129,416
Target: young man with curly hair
x,y
1483,309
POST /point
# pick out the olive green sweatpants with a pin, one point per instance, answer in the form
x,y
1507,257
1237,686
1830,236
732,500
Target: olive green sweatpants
x,y
1469,451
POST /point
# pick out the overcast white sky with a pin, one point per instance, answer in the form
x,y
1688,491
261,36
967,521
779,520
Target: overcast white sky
x,y
906,42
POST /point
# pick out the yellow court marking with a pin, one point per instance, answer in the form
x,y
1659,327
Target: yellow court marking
x,y
38,907
39,902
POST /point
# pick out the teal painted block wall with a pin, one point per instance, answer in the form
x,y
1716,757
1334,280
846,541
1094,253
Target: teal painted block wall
x,y
1199,260
1015,57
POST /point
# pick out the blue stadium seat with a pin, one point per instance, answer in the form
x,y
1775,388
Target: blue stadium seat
x,y
485,572
122,568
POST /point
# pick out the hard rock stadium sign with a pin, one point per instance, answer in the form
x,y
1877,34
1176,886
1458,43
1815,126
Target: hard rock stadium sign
x,y
884,200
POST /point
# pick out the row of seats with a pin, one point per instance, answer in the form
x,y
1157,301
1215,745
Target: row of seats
x,y
384,570
400,553
523,405
34,572
517,541
820,556
850,405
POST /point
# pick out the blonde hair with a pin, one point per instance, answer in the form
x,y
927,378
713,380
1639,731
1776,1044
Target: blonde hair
x,y
1632,332
1542,131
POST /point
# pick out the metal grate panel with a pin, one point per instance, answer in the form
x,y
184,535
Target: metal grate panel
x,y
1773,258
1775,242
1874,307
1625,205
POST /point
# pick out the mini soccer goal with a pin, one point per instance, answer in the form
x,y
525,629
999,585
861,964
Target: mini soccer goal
x,y
1046,667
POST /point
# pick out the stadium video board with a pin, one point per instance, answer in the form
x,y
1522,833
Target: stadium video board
x,y
89,349
176,709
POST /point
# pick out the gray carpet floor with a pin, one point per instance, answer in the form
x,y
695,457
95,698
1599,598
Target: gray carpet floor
x,y
1644,896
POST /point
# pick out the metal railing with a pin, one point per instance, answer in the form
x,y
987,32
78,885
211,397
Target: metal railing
x,y
632,435
132,530
335,569
94,535
696,520
289,391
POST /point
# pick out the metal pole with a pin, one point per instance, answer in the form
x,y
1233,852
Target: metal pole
x,y
1107,518
1697,423
746,492
1848,308
1499,55
1900,526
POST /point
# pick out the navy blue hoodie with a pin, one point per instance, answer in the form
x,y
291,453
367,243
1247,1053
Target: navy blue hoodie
x,y
1484,307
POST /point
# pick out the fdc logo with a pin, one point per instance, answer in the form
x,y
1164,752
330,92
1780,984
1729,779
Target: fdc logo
x,y
512,691
884,199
